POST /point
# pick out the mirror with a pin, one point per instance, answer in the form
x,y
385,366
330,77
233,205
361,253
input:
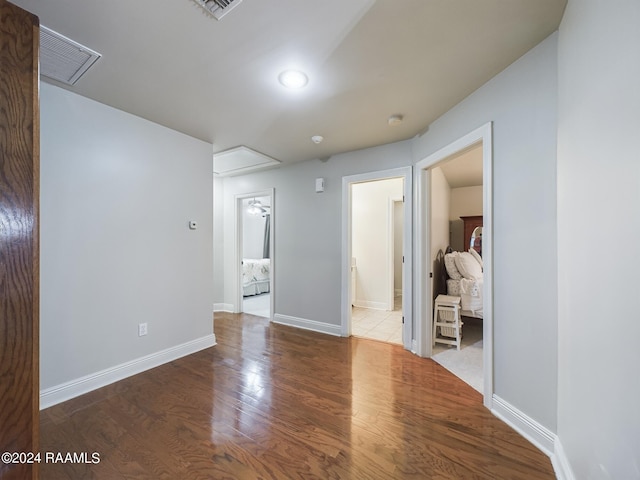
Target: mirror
x,y
476,240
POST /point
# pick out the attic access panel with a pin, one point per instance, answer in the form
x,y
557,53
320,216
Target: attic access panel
x,y
240,160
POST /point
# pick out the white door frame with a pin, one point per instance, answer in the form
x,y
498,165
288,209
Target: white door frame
x,y
391,300
422,218
238,246
406,174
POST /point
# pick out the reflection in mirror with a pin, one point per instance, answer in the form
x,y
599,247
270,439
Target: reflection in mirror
x,y
476,240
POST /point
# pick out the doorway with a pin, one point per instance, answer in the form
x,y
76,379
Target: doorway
x,y
376,253
255,252
456,207
426,219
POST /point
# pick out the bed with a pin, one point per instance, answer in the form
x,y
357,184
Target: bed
x,y
256,274
462,275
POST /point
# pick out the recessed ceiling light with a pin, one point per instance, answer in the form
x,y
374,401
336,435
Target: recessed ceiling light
x,y
317,139
293,79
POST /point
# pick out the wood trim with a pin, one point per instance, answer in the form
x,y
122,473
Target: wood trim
x,y
35,350
19,233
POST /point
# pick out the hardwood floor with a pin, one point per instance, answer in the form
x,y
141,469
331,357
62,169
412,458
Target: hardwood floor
x,y
274,402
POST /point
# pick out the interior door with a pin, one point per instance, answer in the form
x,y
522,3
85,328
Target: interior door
x,y
19,253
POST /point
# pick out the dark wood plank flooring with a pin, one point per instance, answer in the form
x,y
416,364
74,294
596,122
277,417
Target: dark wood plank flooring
x,y
274,402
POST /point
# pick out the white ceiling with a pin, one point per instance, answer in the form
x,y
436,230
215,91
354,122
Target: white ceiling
x,y
464,169
171,63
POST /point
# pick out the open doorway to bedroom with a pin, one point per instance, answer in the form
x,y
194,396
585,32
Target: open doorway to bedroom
x,y
454,215
456,207
255,247
376,255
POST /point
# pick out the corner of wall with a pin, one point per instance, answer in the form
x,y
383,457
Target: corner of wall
x,y
560,462
532,430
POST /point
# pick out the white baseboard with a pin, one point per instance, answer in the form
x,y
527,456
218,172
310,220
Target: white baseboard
x,y
539,435
543,438
561,463
66,391
306,324
223,307
372,305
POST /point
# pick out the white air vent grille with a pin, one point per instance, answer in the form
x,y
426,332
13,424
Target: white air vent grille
x,y
218,8
63,59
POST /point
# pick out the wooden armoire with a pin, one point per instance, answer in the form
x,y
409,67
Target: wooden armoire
x,y
19,251
470,224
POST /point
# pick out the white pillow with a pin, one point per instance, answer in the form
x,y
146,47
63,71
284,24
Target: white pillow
x,y
468,266
450,265
477,256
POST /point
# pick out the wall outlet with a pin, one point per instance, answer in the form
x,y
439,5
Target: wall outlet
x,y
142,329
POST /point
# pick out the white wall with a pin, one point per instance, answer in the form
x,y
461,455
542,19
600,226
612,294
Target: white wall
x,y
440,207
307,237
117,193
253,230
398,234
521,103
218,240
371,242
465,202
598,215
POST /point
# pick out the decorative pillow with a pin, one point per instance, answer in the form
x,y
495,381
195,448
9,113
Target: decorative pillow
x,y
450,265
477,256
468,266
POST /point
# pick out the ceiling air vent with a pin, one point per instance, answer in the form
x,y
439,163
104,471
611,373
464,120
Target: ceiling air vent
x,y
63,59
218,8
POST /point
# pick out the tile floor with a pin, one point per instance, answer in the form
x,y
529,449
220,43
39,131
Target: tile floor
x,y
378,324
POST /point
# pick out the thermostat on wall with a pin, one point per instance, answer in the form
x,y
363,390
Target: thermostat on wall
x,y
319,185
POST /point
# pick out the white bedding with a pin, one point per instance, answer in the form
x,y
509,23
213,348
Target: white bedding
x,y
470,293
255,276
